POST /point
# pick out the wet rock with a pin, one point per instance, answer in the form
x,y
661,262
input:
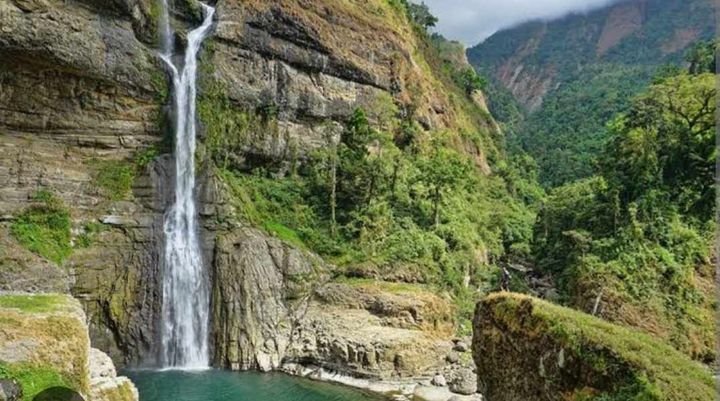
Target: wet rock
x,y
461,346
10,390
439,380
463,381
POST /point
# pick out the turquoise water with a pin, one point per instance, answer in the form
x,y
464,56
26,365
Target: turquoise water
x,y
217,385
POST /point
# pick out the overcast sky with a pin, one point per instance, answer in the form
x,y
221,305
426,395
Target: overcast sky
x,y
471,21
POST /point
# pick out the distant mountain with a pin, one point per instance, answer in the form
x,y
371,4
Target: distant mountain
x,y
557,83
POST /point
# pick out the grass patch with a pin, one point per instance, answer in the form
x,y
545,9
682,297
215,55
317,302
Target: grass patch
x,y
44,228
284,233
33,379
144,157
385,286
88,235
32,303
114,178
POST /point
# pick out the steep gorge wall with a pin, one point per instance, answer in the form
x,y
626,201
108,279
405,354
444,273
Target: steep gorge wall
x,y
78,89
81,87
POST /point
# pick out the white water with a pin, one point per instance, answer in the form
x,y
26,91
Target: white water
x,y
185,312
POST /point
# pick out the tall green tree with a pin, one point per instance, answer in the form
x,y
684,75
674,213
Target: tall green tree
x,y
420,14
442,171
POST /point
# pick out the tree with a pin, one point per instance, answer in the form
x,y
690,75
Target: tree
x,y
701,57
666,142
420,14
469,80
443,171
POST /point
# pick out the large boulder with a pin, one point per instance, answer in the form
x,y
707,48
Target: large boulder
x,y
273,304
528,349
45,349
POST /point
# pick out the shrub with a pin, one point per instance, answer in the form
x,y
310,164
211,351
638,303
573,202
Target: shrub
x,y
44,228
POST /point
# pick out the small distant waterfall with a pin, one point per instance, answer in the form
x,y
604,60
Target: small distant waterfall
x,y
186,298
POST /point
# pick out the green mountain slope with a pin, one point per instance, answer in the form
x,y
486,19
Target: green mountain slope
x,y
569,76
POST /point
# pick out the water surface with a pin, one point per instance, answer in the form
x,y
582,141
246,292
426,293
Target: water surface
x,y
217,385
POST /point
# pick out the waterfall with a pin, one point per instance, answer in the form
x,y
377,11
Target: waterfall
x,y
185,310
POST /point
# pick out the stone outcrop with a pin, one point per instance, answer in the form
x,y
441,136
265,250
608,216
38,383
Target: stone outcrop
x,y
258,289
525,348
47,335
105,385
273,305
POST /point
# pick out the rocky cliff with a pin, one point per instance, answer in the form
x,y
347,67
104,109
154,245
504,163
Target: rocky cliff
x,y
274,305
81,99
84,180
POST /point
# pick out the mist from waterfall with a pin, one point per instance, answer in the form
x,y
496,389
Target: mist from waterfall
x,y
186,298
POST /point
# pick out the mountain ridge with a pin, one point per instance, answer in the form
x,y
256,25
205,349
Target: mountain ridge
x,y
568,76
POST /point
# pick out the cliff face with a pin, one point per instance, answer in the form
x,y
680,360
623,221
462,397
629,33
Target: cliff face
x,y
274,305
316,62
82,127
80,97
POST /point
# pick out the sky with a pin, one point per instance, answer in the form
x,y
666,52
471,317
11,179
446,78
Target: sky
x,y
471,21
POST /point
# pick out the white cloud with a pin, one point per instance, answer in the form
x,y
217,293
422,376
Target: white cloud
x,y
472,21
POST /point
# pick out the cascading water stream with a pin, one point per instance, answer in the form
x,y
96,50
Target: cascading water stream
x,y
185,312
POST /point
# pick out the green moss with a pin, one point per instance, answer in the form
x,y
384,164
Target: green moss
x,y
284,233
159,82
44,228
88,235
230,128
144,157
114,178
32,303
33,379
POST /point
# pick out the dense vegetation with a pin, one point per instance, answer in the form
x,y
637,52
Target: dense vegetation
x,y
385,193
566,134
634,241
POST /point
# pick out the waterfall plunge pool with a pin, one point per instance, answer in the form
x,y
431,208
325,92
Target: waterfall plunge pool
x,y
219,385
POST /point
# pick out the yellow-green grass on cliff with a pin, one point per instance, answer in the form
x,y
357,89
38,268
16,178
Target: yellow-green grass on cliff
x,y
386,286
661,372
41,303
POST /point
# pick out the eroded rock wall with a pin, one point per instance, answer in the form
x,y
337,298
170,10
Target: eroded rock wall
x,y
275,305
80,85
79,88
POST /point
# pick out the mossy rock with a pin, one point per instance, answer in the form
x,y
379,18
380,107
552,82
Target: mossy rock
x,y
528,349
43,342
